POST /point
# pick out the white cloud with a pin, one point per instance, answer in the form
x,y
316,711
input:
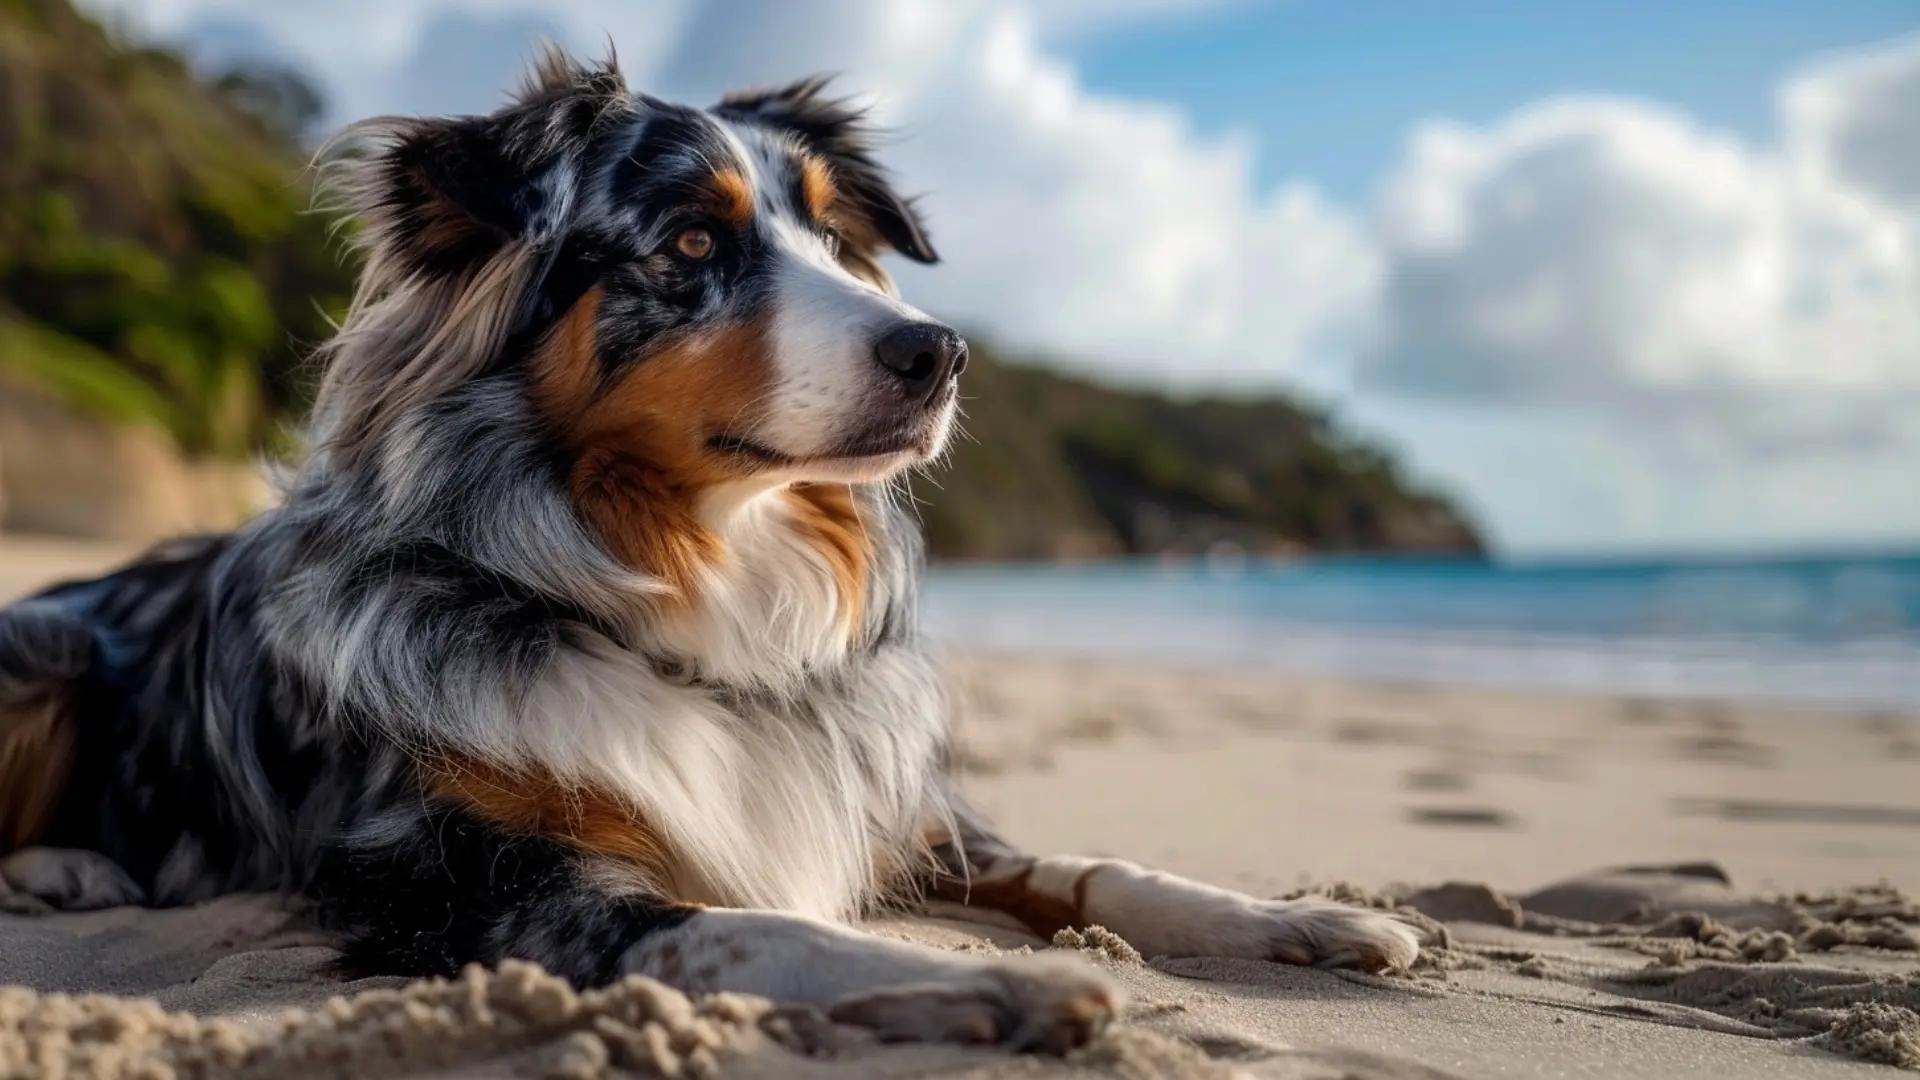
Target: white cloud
x,y
1614,252
1614,327
1108,231
1854,119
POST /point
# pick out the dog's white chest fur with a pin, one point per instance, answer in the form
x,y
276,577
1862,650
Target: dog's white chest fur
x,y
781,767
802,803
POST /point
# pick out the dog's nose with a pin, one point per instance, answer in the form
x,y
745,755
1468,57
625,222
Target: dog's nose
x,y
925,354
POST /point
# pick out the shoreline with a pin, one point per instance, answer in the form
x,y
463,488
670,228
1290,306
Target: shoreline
x,y
1832,634
1268,672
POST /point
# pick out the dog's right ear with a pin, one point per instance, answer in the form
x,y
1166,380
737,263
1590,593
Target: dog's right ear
x,y
454,193
443,194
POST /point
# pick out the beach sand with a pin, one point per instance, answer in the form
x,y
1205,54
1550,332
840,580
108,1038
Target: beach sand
x,y
1611,887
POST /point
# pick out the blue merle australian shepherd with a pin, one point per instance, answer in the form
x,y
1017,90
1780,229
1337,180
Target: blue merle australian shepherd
x,y
585,632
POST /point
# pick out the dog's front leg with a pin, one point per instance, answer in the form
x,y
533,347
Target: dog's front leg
x,y
899,990
428,892
1159,913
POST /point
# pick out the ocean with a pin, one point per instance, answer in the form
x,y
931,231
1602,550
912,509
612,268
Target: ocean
x,y
1823,631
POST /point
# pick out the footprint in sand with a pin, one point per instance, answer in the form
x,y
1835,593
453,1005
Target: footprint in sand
x,y
1475,817
1436,779
1724,747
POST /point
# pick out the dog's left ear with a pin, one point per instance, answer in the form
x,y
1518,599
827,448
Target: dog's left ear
x,y
840,134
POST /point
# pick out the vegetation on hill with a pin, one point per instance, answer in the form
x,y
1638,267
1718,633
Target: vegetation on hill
x,y
158,266
1053,466
157,262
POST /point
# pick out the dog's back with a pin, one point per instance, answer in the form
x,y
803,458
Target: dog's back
x,y
119,736
45,647
72,659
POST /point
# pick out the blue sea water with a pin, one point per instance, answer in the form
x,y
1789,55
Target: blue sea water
x,y
1841,631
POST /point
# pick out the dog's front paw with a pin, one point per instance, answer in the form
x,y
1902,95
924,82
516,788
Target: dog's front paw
x,y
1047,1004
68,879
1309,931
1323,933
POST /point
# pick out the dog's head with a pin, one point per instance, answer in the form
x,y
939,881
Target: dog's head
x,y
692,297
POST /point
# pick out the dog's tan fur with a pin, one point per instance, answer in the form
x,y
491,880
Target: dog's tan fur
x,y
640,460
817,188
36,755
828,517
530,803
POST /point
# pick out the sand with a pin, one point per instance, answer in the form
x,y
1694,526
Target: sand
x,y
1610,887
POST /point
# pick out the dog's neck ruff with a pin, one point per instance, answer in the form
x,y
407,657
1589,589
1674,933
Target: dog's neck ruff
x,y
770,610
787,766
776,757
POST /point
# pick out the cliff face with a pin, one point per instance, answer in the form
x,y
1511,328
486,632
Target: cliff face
x,y
158,269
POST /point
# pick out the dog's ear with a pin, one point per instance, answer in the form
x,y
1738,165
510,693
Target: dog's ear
x,y
452,192
840,134
443,194
466,223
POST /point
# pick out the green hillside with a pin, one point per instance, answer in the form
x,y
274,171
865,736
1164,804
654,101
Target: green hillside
x,y
157,263
1055,466
157,266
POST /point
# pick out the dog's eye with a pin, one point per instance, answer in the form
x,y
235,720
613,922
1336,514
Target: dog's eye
x,y
695,243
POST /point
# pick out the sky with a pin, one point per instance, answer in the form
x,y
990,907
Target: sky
x,y
1623,277
1325,88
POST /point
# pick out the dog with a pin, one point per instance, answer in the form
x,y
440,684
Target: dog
x,y
584,631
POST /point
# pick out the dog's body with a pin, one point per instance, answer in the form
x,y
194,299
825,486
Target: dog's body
x,y
586,633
